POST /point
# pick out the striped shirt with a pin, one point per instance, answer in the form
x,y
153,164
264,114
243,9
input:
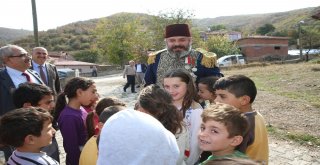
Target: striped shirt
x,y
29,158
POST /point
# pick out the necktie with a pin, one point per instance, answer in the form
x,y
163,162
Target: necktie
x,y
42,75
27,76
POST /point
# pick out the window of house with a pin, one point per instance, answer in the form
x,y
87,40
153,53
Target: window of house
x,y
277,47
257,47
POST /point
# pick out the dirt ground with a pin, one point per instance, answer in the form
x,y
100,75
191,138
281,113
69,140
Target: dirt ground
x,y
288,95
288,98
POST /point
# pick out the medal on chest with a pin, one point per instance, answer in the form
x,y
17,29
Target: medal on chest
x,y
190,63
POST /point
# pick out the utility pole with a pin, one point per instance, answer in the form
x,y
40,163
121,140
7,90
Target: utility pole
x,y
35,22
300,43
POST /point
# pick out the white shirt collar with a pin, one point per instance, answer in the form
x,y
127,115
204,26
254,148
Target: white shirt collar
x,y
13,72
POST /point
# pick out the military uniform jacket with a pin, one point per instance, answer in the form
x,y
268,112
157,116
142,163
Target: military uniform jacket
x,y
204,62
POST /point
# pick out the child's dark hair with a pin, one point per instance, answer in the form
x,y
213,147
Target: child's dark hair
x,y
158,103
191,93
107,102
70,91
209,81
30,93
17,124
106,114
234,120
102,104
239,85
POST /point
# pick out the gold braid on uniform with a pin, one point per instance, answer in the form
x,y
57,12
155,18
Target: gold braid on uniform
x,y
152,56
209,59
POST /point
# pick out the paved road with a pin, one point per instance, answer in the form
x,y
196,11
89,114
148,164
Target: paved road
x,y
281,152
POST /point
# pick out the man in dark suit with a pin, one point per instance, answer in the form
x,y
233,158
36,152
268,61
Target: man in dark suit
x,y
50,77
16,61
140,71
47,71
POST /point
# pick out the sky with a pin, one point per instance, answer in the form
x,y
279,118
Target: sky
x,y
17,14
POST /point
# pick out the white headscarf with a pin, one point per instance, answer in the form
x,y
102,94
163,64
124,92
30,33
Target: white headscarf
x,y
132,137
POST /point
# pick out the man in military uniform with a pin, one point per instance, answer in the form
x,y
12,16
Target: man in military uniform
x,y
179,54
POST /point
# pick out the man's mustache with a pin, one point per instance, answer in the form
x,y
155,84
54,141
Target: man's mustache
x,y
181,47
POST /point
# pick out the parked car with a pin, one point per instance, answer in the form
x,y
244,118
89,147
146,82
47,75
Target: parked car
x,y
65,74
229,60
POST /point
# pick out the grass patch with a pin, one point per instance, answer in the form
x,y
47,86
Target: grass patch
x,y
315,61
306,95
303,139
309,97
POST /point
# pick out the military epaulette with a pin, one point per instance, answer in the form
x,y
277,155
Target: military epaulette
x,y
152,56
209,59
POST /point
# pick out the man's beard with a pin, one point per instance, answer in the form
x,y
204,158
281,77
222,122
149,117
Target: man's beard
x,y
180,54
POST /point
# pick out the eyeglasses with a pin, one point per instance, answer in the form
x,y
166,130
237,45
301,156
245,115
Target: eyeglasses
x,y
24,55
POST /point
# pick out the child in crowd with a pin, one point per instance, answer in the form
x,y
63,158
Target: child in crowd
x,y
179,84
207,95
28,130
93,116
206,91
232,161
133,137
89,154
71,118
157,102
38,95
90,107
240,91
222,130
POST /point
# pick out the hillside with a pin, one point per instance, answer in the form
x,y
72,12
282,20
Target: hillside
x,y
7,35
79,35
249,23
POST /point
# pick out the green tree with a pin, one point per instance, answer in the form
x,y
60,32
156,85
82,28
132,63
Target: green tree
x,y
221,46
265,29
87,56
164,18
115,39
310,37
217,27
142,42
283,33
76,45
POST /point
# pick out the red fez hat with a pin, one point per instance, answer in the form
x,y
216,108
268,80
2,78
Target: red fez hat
x,y
177,30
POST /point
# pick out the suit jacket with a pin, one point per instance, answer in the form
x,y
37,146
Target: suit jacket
x,y
52,77
7,88
143,67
